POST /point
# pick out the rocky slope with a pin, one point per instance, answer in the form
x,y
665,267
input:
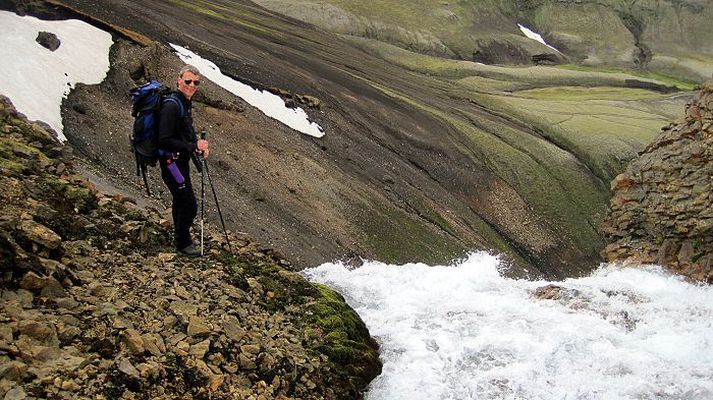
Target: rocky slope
x,y
662,205
94,305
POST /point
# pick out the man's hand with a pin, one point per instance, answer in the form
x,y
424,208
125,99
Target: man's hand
x,y
202,148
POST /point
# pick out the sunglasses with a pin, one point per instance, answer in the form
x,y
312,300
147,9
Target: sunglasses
x,y
194,82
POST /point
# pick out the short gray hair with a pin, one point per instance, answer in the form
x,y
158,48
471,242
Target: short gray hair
x,y
188,68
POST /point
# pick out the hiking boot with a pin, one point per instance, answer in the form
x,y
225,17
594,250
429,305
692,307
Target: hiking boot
x,y
192,250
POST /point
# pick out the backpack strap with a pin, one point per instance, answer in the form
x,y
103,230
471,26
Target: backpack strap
x,y
173,99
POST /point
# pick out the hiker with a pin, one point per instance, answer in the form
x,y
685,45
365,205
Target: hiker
x,y
177,143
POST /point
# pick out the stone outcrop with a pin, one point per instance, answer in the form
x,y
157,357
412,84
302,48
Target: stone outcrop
x,y
94,304
662,205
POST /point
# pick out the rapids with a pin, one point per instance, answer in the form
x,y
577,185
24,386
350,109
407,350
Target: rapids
x,y
466,332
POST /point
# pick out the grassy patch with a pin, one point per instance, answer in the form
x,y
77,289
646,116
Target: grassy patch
x,y
573,93
680,84
604,134
395,237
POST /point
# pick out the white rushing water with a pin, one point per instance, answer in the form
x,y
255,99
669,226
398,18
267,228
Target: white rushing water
x,y
37,79
465,332
271,105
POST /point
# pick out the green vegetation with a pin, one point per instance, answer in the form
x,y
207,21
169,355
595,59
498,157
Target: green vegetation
x,y
79,198
667,80
542,173
604,134
573,93
346,340
225,13
629,34
509,77
392,235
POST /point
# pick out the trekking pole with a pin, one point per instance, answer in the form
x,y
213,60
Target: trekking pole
x,y
202,202
217,205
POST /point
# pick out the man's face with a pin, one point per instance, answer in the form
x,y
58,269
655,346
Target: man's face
x,y
188,84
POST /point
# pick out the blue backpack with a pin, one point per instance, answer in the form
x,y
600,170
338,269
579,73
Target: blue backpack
x,y
147,101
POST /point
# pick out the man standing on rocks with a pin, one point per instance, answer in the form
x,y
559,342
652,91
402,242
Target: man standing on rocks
x,y
177,143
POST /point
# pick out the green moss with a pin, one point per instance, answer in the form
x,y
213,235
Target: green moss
x,y
604,134
8,147
80,198
12,166
345,338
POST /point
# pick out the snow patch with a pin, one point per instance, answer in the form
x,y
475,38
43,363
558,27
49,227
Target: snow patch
x,y
271,105
535,36
37,79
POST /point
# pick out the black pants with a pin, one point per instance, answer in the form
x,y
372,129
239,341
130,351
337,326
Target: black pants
x,y
185,207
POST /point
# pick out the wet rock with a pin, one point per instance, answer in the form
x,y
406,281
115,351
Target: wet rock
x,y
48,40
554,292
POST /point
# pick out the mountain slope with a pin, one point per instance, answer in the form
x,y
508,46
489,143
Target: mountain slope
x,y
670,37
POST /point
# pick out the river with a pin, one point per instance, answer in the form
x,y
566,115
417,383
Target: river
x,y
467,332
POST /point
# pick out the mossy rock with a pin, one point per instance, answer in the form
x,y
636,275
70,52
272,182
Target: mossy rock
x,y
345,338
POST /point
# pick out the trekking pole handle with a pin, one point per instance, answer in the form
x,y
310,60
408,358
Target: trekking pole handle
x,y
203,136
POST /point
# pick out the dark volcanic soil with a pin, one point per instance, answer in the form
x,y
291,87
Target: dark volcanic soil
x,y
388,180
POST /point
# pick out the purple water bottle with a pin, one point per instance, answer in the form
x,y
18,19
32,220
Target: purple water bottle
x,y
175,172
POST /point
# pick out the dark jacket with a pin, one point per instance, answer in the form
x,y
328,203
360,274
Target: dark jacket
x,y
175,131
